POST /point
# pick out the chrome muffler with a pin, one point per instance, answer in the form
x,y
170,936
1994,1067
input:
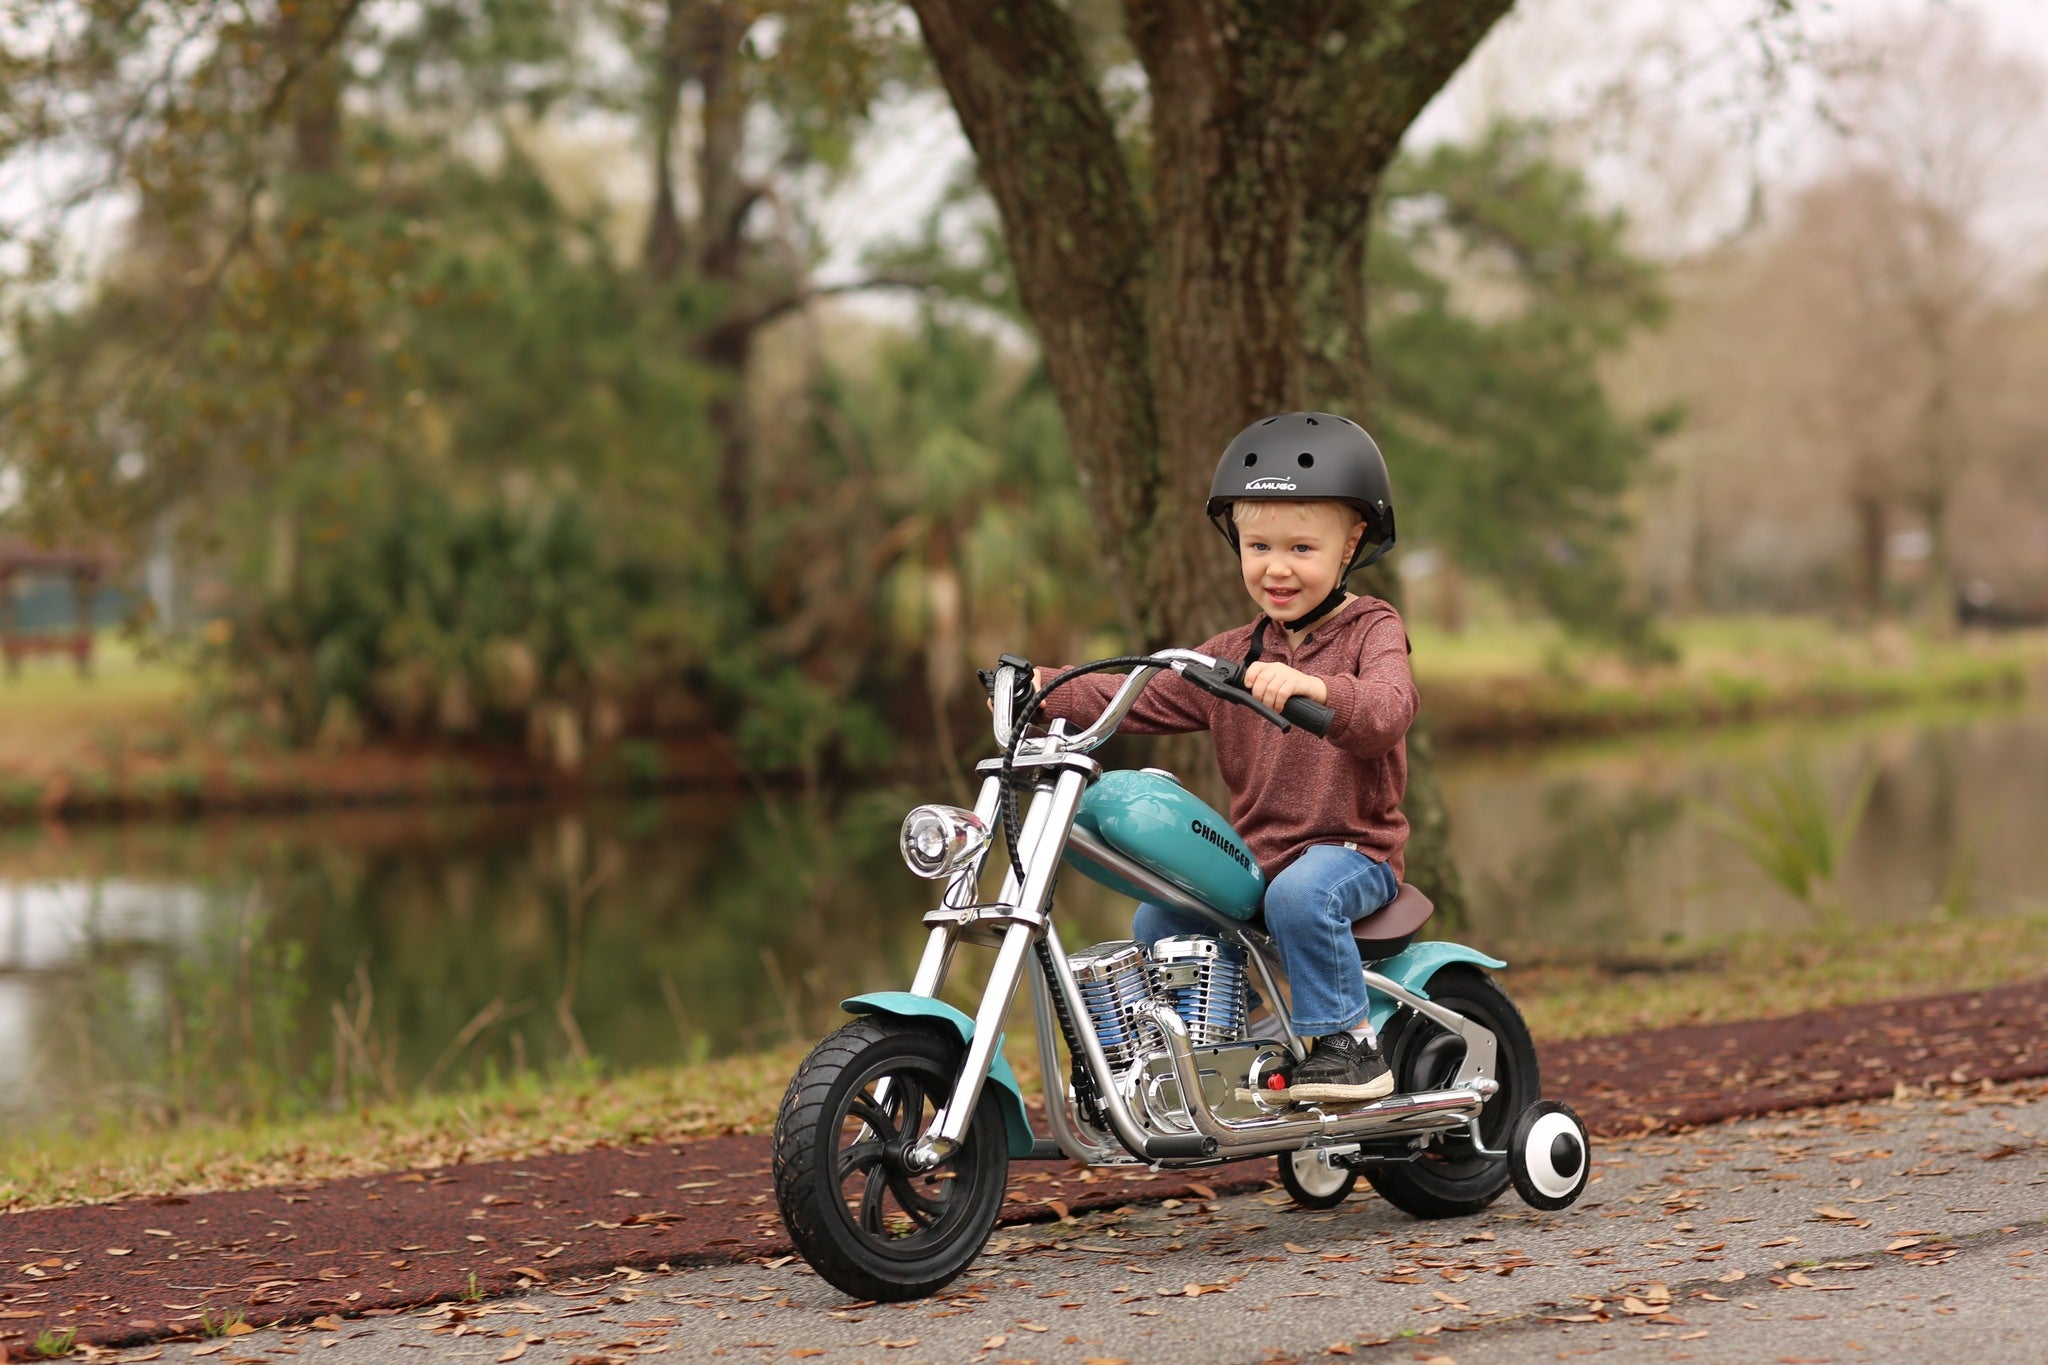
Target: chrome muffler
x,y
1426,1112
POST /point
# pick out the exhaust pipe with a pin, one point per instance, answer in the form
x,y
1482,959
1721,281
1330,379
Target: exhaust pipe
x,y
1428,1111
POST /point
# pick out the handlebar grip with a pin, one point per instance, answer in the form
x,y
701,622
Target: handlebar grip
x,y
1311,716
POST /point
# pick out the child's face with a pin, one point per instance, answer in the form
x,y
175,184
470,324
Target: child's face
x,y
1291,553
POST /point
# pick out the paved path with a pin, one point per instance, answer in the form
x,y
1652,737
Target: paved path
x,y
144,1270
1896,1231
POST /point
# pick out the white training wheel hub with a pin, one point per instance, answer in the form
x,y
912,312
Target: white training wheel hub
x,y
1549,1155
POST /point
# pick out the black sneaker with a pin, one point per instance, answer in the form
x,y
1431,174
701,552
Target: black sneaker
x,y
1340,1070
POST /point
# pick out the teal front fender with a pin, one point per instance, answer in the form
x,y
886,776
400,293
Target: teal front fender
x,y
904,1005
1414,965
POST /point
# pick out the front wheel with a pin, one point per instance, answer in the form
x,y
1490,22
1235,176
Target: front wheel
x,y
866,1221
1452,1178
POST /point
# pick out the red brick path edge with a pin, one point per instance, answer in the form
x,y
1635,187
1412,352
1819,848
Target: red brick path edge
x,y
127,1273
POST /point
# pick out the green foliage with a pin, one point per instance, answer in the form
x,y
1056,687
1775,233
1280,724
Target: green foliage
x,y
1788,831
51,1344
212,1326
1497,291
422,615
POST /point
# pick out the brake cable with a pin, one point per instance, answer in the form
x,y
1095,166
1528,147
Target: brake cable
x,y
1008,797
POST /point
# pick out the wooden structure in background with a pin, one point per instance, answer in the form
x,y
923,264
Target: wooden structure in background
x,y
84,568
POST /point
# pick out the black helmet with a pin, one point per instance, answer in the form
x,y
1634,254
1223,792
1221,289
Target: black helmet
x,y
1299,456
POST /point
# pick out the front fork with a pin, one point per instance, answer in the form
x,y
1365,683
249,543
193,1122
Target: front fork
x,y
1024,902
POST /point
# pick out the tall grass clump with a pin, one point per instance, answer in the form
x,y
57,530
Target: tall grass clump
x,y
1787,826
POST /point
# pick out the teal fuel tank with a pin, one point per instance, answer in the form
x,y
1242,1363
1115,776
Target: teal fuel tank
x,y
1153,820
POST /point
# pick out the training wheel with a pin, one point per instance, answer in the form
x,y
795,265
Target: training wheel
x,y
1549,1155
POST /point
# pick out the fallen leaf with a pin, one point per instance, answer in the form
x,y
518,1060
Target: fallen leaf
x,y
1691,1336
1032,1326
473,1237
902,1345
1059,1209
213,1348
1202,1190
236,1329
517,1350
1297,1248
1902,1243
120,1251
806,1352
1732,1276
993,1342
1637,1307
329,1323
1778,1242
529,1272
1839,1215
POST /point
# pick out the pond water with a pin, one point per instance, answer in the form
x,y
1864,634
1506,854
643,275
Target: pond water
x,y
279,963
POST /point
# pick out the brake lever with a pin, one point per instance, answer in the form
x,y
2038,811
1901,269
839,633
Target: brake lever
x,y
1225,679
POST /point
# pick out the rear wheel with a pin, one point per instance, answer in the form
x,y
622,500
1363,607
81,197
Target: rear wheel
x,y
1452,1178
865,1220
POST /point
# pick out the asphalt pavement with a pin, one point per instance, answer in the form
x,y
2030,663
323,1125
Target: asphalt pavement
x,y
1905,1230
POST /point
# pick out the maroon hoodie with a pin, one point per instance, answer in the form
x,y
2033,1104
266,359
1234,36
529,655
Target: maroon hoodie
x,y
1291,791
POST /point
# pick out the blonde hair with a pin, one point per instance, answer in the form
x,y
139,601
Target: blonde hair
x,y
1245,510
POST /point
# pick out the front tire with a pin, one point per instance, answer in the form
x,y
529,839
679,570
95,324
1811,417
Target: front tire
x,y
864,1220
1451,1179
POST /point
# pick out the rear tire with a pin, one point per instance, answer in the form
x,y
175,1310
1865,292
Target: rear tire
x,y
1451,1179
864,1220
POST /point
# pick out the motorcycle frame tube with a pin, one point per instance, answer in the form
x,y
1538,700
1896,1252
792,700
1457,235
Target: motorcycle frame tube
x,y
1122,1122
1059,1112
1481,1047
1053,810
1429,1111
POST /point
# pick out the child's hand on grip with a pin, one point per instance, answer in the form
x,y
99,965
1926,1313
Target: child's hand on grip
x,y
1274,683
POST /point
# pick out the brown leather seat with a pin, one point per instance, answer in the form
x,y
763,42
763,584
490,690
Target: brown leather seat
x,y
1393,926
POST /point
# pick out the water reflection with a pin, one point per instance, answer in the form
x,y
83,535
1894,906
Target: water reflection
x,y
272,964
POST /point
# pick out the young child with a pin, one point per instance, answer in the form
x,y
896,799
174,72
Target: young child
x,y
1304,498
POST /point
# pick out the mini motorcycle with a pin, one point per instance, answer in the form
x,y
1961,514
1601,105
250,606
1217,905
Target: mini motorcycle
x,y
893,1143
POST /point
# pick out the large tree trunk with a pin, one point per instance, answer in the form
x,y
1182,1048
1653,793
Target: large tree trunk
x,y
1243,291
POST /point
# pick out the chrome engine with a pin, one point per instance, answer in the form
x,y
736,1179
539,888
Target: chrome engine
x,y
1205,984
1115,980
1201,981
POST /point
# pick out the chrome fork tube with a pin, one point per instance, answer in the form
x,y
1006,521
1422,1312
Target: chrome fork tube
x,y
1044,837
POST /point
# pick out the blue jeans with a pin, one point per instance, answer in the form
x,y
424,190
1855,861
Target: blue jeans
x,y
1309,910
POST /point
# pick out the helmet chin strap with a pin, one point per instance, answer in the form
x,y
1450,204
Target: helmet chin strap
x,y
1319,610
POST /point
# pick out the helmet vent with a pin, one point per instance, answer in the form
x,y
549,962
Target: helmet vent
x,y
1312,422
1269,421
1305,460
1251,458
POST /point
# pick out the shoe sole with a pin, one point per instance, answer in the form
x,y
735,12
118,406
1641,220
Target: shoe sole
x,y
1338,1094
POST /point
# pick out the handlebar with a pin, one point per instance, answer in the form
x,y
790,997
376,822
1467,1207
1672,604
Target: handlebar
x,y
1009,687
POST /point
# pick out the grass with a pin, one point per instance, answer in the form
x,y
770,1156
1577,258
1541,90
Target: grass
x,y
221,1326
1515,681
1752,976
51,1344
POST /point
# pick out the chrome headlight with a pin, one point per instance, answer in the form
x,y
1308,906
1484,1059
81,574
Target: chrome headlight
x,y
940,840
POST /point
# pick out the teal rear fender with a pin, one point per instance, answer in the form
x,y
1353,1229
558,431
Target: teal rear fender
x,y
904,1005
1414,965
